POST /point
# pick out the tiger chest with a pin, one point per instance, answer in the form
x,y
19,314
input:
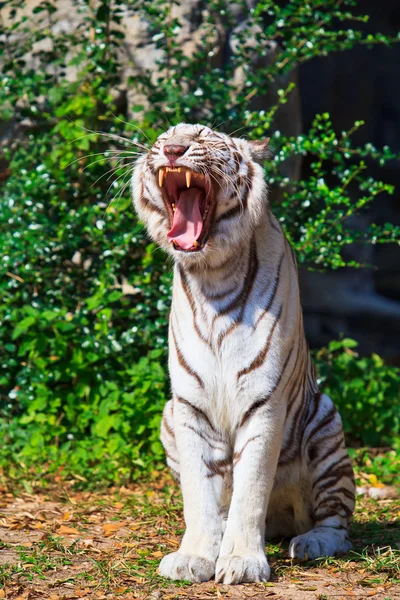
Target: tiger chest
x,y
217,367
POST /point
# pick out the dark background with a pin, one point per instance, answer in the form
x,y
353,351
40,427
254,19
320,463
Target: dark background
x,y
360,84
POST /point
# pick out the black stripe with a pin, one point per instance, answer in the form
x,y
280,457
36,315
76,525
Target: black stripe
x,y
248,283
256,405
332,491
237,157
291,446
273,225
333,512
182,361
262,355
167,427
273,294
238,455
198,412
296,385
192,304
327,420
147,204
249,182
220,295
317,400
217,467
246,291
204,437
229,214
313,449
330,471
167,454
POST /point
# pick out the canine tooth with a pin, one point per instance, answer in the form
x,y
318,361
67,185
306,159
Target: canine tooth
x,y
188,178
161,174
195,243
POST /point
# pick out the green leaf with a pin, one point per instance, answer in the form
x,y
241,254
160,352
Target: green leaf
x,y
23,326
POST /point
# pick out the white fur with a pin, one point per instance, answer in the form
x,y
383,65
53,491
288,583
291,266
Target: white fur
x,y
227,462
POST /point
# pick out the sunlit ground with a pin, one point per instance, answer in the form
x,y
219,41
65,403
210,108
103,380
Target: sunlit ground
x,y
62,543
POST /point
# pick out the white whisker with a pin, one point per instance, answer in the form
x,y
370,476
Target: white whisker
x,y
132,125
113,136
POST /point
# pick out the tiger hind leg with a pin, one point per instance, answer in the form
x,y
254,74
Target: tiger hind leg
x,y
331,484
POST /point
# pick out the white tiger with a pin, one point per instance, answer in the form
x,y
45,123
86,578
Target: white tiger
x,y
258,450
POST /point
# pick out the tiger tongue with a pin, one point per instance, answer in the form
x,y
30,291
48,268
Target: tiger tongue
x,y
188,222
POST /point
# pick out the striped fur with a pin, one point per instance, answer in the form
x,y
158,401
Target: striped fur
x,y
258,450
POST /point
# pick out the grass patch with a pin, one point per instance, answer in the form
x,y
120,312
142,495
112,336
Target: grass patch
x,y
91,545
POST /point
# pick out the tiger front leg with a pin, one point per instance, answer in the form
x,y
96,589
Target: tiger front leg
x,y
331,482
258,442
195,448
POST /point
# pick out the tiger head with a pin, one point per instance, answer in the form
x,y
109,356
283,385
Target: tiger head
x,y
200,192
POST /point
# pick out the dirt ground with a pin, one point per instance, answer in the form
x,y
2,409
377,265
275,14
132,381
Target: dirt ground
x,y
63,544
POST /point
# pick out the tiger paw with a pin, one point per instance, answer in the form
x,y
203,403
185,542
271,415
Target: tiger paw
x,y
186,566
316,543
232,569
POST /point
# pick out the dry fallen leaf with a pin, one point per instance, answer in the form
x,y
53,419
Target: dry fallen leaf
x,y
307,588
86,542
172,541
2,594
110,528
80,593
64,530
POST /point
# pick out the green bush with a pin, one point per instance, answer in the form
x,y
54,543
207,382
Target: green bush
x,y
364,389
84,295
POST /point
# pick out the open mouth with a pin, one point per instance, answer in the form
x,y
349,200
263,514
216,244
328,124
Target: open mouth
x,y
189,198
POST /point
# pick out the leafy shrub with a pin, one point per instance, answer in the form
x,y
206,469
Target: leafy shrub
x,y
377,466
84,296
365,390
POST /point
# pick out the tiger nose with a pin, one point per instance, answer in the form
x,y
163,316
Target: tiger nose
x,y
174,151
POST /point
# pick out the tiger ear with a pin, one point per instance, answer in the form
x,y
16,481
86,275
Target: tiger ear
x,y
259,149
